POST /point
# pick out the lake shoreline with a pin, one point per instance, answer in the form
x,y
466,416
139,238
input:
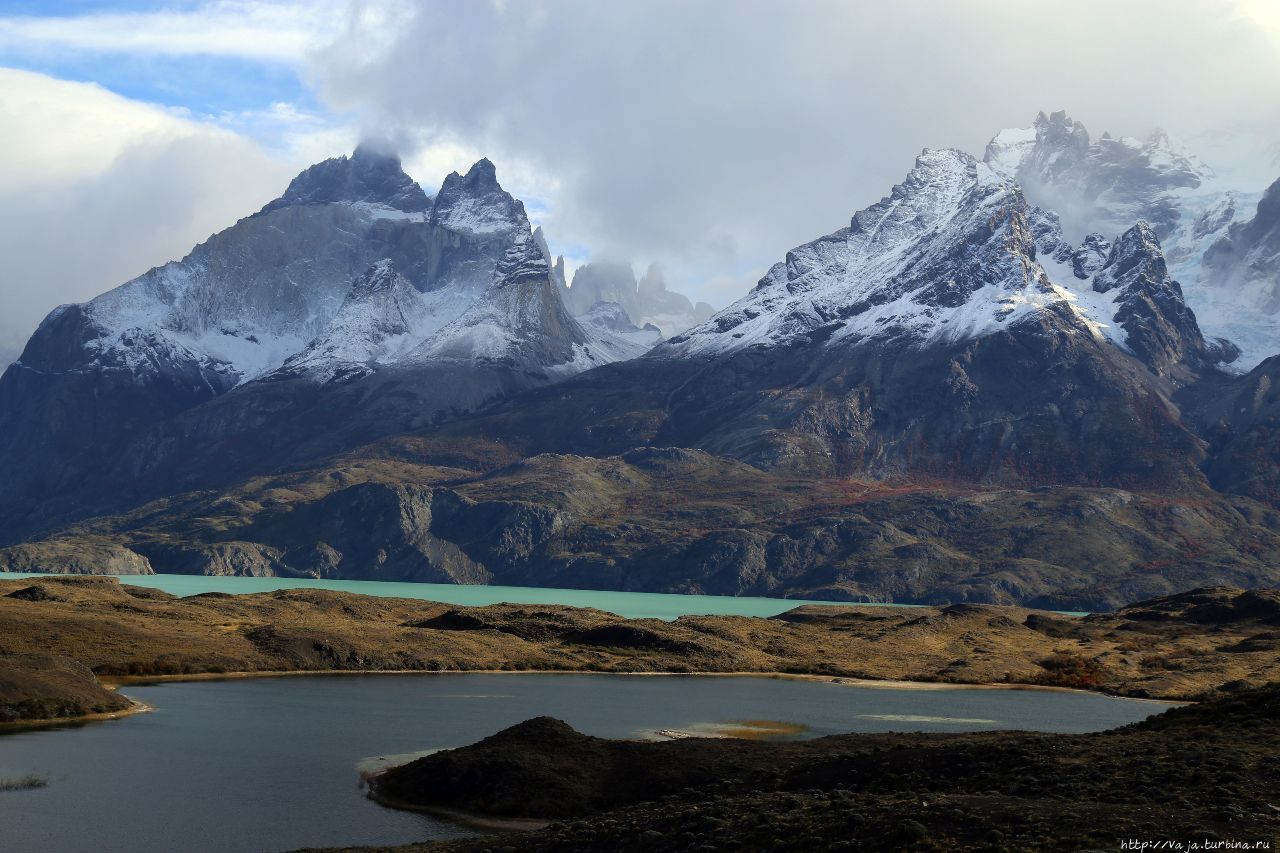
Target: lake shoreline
x,y
885,684
103,631
135,707
138,707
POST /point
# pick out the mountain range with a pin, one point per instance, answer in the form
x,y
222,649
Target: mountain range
x,y
1044,376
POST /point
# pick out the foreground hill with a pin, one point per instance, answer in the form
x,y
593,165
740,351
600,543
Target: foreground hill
x,y
1206,774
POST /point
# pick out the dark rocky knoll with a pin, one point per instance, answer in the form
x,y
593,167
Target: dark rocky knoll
x,y
1204,772
1192,645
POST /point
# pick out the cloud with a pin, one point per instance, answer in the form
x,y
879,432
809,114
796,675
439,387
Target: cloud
x,y
714,136
251,29
96,188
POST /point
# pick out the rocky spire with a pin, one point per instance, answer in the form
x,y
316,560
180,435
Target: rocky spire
x,y
369,175
1158,325
476,204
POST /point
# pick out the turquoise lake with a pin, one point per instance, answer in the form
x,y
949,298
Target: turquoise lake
x,y
632,605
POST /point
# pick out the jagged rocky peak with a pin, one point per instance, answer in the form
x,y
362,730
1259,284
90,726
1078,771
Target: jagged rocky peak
x,y
1103,185
377,306
1061,145
949,254
1159,327
372,174
476,204
603,280
652,284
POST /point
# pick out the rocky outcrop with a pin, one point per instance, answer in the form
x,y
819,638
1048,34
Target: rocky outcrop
x,y
1158,325
79,555
372,174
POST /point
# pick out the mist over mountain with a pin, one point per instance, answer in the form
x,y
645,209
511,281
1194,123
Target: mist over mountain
x,y
646,301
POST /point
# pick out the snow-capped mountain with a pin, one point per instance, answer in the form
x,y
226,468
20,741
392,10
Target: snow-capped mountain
x,y
353,273
308,278
985,394
1100,188
955,253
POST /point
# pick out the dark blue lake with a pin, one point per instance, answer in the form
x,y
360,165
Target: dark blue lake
x,y
272,764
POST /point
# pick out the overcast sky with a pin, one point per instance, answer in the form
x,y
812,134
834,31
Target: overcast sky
x,y
708,135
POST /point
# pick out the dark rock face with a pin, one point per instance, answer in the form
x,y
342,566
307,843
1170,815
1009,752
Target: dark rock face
x,y
1040,402
1240,416
1158,325
368,175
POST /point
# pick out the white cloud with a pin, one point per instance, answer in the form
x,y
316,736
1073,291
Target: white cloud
x,y
251,29
96,188
713,136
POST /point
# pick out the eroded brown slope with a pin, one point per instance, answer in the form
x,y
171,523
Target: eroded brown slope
x,y
673,520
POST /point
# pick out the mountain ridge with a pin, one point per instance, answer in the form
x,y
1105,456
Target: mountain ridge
x,y
951,351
